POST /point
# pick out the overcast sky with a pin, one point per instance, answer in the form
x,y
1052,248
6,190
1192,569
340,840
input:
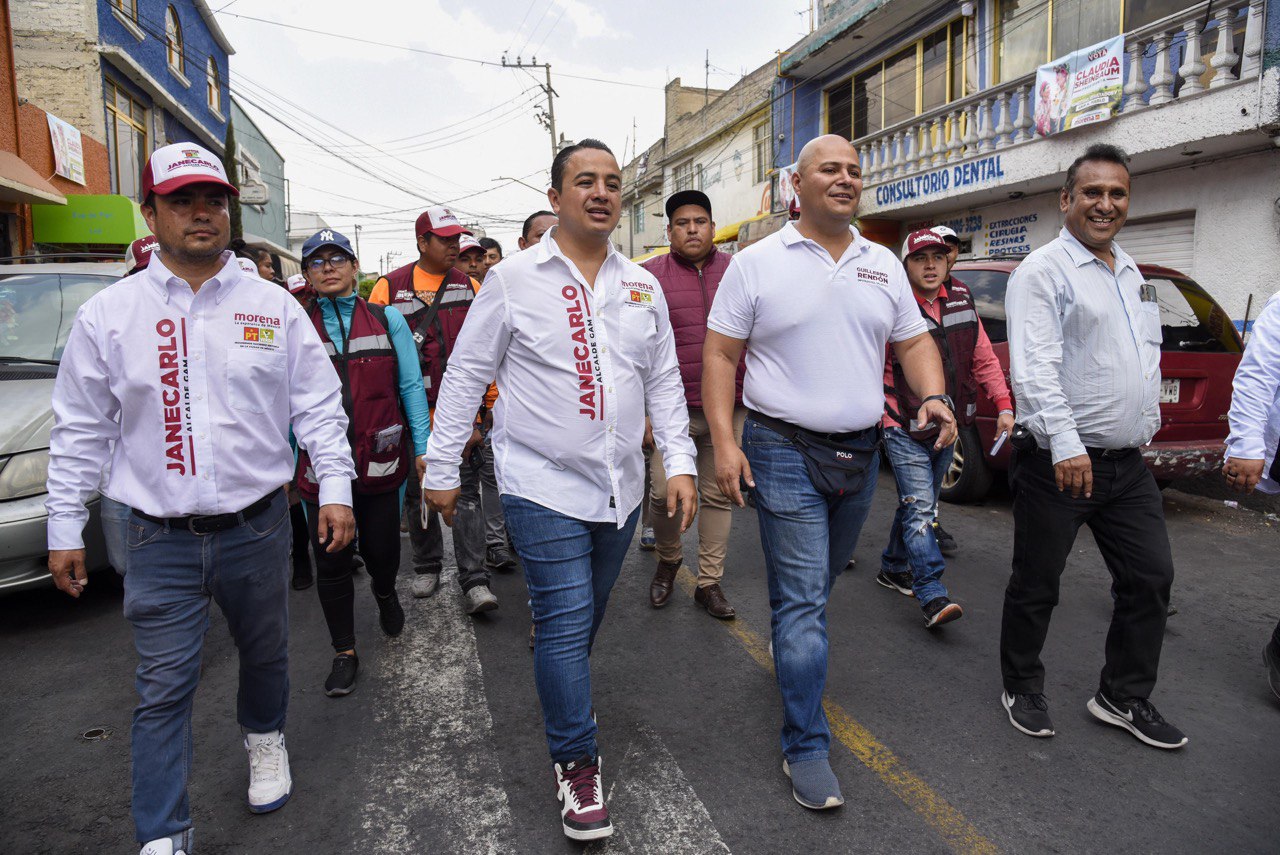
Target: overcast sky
x,y
449,127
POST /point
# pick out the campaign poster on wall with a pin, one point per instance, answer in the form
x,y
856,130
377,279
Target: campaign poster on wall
x,y
68,149
1080,88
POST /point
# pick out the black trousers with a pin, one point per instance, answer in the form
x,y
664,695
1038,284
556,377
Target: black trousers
x,y
378,524
1126,517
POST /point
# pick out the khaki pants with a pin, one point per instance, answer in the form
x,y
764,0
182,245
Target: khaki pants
x,y
715,511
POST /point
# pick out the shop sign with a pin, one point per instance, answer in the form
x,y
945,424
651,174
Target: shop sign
x,y
962,176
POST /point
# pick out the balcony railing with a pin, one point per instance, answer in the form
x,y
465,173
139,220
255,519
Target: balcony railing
x,y
1001,116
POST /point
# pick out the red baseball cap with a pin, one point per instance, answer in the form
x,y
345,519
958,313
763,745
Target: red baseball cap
x,y
175,166
138,255
922,239
438,220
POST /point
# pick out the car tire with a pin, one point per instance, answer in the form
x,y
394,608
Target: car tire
x,y
969,477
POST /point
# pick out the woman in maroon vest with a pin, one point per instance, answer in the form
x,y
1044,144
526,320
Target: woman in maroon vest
x,y
376,358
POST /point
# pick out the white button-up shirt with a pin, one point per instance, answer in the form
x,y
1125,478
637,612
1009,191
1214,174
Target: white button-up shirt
x,y
1084,349
578,368
197,391
1255,399
816,327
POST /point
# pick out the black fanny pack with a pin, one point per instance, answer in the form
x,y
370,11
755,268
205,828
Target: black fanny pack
x,y
837,463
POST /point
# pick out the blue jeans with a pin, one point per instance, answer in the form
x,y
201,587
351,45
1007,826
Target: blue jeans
x,y
570,566
172,576
913,547
115,528
807,540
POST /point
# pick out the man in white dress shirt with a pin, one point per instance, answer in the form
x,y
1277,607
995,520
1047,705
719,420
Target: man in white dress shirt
x,y
580,343
196,370
1084,354
1251,460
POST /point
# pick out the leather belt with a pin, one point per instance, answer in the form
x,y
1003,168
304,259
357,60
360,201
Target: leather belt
x,y
1109,453
788,430
210,523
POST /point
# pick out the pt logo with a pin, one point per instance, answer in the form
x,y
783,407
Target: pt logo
x,y
264,334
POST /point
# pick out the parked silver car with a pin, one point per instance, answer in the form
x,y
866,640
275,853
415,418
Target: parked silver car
x,y
38,303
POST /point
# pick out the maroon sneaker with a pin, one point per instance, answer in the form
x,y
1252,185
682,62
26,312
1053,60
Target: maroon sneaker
x,y
582,812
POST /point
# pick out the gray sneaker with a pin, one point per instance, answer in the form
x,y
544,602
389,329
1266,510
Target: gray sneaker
x,y
813,784
479,599
425,584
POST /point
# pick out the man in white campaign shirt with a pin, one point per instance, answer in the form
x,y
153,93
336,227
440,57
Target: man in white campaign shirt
x,y
580,343
196,370
815,305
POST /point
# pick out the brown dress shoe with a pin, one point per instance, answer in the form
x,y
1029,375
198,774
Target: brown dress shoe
x,y
660,587
713,600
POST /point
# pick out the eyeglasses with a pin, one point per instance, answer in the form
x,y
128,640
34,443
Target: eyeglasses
x,y
335,261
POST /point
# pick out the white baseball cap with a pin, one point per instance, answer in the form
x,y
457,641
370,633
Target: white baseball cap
x,y
946,234
175,166
248,266
466,242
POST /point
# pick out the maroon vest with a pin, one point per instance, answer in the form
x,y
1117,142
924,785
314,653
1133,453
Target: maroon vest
x,y
957,338
381,441
435,332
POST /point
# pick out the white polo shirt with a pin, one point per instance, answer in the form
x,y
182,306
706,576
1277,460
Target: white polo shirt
x,y
815,329
578,368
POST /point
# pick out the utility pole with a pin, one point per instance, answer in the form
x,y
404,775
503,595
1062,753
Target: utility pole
x,y
548,118
357,240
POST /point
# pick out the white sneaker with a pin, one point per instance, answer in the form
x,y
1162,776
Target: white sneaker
x,y
270,783
480,599
425,584
163,846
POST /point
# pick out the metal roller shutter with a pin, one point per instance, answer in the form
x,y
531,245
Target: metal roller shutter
x,y
1169,242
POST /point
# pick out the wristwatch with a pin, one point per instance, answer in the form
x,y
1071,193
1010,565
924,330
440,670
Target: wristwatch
x,y
946,399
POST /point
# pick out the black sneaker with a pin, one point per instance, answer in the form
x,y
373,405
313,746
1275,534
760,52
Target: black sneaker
x,y
390,613
852,565
1171,611
499,558
342,678
900,582
1139,717
940,610
1271,658
302,579
1028,713
946,542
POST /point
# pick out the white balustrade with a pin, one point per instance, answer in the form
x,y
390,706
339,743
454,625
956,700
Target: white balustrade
x,y
1193,67
1024,114
985,134
1136,84
1161,77
1252,63
953,142
1004,130
1225,56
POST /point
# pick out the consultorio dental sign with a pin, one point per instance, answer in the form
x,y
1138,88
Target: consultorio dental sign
x,y
963,175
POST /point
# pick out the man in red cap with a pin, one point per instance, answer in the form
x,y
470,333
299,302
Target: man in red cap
x,y
433,295
194,417
912,563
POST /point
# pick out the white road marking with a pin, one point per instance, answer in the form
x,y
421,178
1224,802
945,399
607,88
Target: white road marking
x,y
653,806
436,785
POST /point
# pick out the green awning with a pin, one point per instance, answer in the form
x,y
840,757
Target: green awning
x,y
89,219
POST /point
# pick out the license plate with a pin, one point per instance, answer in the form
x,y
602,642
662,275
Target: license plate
x,y
1170,391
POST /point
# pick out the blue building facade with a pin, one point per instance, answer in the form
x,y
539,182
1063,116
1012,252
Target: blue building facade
x,y
165,72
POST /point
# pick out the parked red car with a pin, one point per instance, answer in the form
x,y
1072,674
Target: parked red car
x,y
1200,353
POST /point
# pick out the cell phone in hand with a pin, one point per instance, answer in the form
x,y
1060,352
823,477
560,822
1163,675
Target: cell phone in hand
x,y
999,443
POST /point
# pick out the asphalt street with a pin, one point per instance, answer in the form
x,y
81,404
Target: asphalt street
x,y
441,748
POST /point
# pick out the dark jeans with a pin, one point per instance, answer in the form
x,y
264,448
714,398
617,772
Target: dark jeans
x,y
172,577
468,532
570,565
378,521
1126,517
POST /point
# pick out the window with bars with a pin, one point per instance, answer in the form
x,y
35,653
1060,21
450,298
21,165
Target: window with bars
x,y
173,40
920,76
637,216
127,148
682,176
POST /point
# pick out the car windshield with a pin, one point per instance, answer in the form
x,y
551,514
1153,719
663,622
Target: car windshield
x,y
37,310
1189,318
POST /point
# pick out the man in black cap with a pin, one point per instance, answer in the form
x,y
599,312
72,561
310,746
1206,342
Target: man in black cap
x,y
690,275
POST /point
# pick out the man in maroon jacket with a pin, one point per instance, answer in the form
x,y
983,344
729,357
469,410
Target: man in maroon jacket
x,y
690,275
